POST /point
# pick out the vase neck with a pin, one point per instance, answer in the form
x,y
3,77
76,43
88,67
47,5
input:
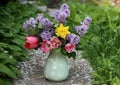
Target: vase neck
x,y
57,50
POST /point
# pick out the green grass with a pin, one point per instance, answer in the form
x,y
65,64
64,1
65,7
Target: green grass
x,y
101,45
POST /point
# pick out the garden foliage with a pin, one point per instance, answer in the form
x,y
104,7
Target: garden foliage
x,y
101,45
12,39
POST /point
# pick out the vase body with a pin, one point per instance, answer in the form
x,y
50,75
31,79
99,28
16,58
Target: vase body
x,y
56,67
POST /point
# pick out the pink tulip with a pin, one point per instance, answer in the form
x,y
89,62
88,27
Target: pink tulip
x,y
69,47
46,46
55,42
31,42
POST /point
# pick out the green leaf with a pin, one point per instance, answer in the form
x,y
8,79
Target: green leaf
x,y
63,51
12,61
25,53
16,70
77,17
4,44
9,34
72,54
5,81
115,81
23,58
39,25
17,53
1,82
3,55
56,25
2,32
18,41
78,47
15,48
7,71
4,61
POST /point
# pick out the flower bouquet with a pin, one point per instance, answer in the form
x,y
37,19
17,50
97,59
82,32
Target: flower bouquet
x,y
58,39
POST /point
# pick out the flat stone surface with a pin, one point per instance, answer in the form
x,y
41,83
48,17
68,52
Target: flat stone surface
x,y
32,71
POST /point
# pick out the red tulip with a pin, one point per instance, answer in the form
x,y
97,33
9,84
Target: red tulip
x,y
31,42
69,47
55,42
46,46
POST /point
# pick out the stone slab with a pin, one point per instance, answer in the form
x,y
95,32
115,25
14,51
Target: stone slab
x,y
32,71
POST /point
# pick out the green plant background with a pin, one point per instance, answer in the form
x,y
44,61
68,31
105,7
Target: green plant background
x,y
100,46
12,38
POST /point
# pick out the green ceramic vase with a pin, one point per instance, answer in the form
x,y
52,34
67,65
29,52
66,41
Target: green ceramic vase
x,y
56,67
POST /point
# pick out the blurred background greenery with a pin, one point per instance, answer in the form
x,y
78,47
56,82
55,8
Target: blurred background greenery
x,y
101,45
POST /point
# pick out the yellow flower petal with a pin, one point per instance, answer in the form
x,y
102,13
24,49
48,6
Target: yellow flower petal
x,y
62,31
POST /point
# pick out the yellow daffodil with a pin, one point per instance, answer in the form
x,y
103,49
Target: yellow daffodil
x,y
62,31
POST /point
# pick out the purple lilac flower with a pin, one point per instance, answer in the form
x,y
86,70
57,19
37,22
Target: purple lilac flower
x,y
25,25
46,23
64,6
67,11
73,38
62,17
62,14
55,14
82,30
47,34
87,21
31,23
39,17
